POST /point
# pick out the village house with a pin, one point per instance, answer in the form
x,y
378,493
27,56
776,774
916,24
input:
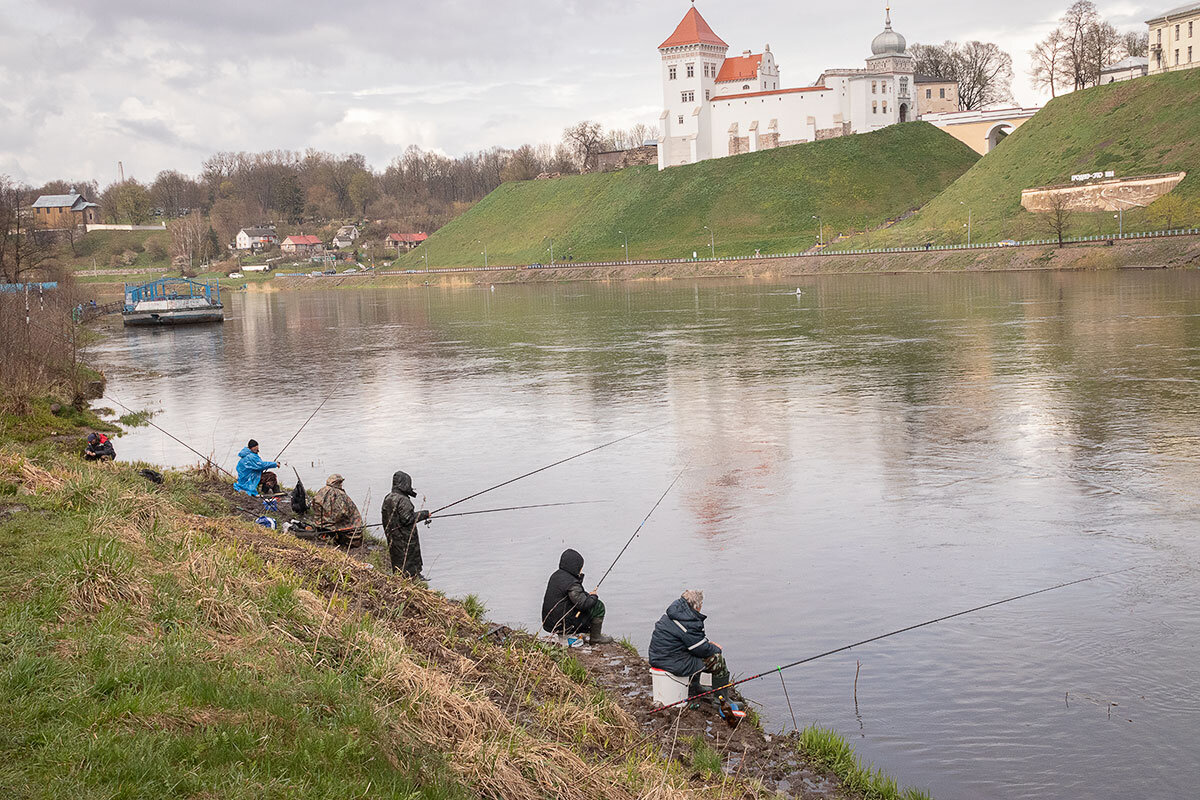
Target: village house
x,y
302,245
404,241
342,240
62,211
256,238
1175,39
348,232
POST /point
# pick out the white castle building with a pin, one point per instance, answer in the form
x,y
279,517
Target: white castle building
x,y
716,105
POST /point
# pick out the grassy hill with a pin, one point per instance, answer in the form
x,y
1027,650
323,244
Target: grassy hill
x,y
1136,127
764,200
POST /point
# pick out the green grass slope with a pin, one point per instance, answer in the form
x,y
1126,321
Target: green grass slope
x,y
764,200
1139,127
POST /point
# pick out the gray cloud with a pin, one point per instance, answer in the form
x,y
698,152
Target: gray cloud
x,y
159,86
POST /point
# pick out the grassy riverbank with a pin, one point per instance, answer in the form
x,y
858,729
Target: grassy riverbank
x,y
152,644
1141,127
765,200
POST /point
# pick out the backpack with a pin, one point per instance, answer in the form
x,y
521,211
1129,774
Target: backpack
x,y
299,499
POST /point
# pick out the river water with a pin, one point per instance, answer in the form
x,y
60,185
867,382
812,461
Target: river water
x,y
871,453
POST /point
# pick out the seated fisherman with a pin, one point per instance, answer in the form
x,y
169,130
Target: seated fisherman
x,y
268,484
250,469
99,448
334,510
679,646
567,608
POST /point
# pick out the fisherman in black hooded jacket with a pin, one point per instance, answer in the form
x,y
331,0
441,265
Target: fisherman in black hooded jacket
x,y
567,608
400,520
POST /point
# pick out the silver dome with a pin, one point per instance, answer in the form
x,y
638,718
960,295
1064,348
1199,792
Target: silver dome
x,y
889,42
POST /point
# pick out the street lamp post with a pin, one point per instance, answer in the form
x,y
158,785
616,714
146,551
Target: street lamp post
x,y
820,229
425,255
544,238
1120,215
626,245
480,241
712,243
961,203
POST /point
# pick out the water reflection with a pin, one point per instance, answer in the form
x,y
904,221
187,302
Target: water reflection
x,y
873,452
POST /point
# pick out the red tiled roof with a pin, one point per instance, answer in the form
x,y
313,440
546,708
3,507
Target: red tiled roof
x,y
739,68
302,240
407,237
692,30
776,91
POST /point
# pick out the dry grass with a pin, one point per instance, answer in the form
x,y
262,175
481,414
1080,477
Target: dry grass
x,y
101,573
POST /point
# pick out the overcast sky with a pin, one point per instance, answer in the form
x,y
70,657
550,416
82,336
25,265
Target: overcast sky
x,y
161,85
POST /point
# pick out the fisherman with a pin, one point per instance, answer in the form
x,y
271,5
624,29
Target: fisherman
x,y
400,520
333,510
680,646
269,484
250,469
99,448
567,608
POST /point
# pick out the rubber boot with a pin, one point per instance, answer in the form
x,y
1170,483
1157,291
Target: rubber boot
x,y
596,635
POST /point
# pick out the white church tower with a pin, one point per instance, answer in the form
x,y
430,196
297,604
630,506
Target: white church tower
x,y
691,58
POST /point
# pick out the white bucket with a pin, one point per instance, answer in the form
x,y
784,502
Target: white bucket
x,y
668,688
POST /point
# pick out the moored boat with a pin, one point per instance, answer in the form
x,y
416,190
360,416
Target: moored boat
x,y
172,301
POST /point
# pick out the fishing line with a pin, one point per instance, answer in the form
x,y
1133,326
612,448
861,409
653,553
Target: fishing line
x,y
482,511
337,386
893,633
207,459
639,528
548,466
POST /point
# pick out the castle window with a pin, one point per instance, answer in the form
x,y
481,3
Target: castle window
x,y
1176,56
707,94
671,73
688,97
929,94
691,70
681,119
1189,55
885,106
1177,33
747,86
874,108
1159,35
1190,30
874,88
942,93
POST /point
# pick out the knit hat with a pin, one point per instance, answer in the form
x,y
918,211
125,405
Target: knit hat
x,y
252,444
695,598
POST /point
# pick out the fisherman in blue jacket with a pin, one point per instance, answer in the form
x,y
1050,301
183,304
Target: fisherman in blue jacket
x,y
250,469
680,646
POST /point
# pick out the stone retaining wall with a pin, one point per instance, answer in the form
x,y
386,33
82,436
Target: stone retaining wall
x,y
1112,194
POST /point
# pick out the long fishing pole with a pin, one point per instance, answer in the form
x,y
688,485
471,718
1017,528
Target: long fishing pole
x,y
207,459
548,466
639,529
481,511
892,633
336,386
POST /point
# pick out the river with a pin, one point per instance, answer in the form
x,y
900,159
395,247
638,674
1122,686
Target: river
x,y
870,453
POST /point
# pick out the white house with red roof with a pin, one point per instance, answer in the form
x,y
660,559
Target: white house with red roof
x,y
716,105
405,241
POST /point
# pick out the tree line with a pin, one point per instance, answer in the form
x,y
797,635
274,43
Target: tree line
x,y
419,190
1074,54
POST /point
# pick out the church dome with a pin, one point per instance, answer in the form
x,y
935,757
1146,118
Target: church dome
x,y
889,42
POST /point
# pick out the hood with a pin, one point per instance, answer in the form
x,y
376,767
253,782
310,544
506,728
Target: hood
x,y
570,561
245,451
402,483
683,611
334,480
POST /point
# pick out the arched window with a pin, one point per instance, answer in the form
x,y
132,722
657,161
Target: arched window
x,y
874,108
885,106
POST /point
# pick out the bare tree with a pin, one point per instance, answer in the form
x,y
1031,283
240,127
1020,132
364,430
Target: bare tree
x,y
1135,43
1047,62
1057,216
1103,48
22,250
982,70
1074,27
189,237
585,139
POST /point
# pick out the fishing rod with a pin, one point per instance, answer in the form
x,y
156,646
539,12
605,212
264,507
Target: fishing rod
x,y
481,511
336,386
886,635
639,529
207,459
548,466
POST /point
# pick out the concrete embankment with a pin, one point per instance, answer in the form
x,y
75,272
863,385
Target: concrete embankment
x,y
1168,252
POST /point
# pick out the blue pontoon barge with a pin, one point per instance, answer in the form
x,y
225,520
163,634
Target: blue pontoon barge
x,y
172,301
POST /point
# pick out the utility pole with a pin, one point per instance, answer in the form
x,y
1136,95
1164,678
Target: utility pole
x,y
961,203
820,229
626,245
485,260
712,246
